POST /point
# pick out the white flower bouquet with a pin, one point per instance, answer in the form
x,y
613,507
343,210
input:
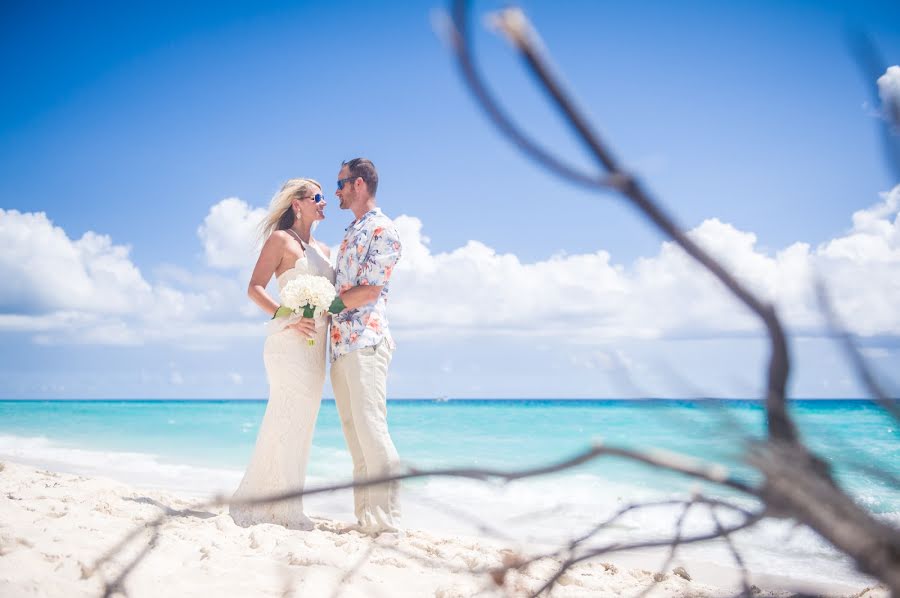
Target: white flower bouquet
x,y
307,295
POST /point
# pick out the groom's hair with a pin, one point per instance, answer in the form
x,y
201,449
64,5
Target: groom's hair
x,y
363,168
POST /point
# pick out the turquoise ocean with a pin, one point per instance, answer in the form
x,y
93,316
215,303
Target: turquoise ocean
x,y
200,447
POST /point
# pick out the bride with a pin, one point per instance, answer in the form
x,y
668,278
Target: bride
x,y
295,370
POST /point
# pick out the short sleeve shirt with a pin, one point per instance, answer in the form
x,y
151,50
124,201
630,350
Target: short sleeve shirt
x,y
368,254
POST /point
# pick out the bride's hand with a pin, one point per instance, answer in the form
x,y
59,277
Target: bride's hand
x,y
305,326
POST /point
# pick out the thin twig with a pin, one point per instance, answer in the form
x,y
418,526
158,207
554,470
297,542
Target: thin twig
x,y
863,371
351,572
513,23
872,65
726,537
676,542
594,553
117,585
460,43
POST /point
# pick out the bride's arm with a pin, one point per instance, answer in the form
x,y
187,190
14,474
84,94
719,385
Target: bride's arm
x,y
269,258
268,261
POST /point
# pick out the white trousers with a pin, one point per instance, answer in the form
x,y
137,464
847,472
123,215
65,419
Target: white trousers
x,y
359,380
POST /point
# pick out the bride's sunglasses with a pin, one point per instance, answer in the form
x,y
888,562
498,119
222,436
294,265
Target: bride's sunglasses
x,y
316,198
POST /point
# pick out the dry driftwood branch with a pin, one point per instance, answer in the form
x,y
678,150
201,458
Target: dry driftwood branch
x,y
570,556
688,466
863,371
715,474
117,585
872,66
617,547
739,561
696,500
515,26
351,572
676,542
815,501
873,545
796,483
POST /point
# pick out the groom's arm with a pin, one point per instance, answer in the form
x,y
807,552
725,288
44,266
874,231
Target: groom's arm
x,y
375,270
360,295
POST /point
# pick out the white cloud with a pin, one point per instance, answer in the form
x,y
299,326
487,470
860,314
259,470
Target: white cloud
x,y
863,268
43,269
474,290
229,234
89,291
889,85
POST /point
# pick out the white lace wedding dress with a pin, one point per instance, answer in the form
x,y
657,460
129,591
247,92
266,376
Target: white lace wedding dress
x,y
296,374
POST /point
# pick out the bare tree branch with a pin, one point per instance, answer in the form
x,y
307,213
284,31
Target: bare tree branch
x,y
872,66
726,537
515,26
116,586
676,542
687,466
351,573
792,488
779,495
863,372
616,547
796,483
498,115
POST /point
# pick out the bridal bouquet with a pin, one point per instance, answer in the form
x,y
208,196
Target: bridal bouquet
x,y
307,295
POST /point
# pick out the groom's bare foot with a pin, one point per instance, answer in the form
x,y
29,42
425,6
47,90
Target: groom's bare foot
x,y
351,527
388,532
389,537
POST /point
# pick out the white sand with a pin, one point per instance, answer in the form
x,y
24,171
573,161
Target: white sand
x,y
54,527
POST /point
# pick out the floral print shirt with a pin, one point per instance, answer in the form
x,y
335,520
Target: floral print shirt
x,y
368,254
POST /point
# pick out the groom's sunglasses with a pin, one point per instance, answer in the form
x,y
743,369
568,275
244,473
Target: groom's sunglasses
x,y
342,182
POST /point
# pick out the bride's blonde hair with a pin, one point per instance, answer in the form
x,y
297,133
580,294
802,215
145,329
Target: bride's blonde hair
x,y
281,214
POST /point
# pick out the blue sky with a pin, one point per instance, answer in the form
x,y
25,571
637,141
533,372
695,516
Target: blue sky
x,y
132,123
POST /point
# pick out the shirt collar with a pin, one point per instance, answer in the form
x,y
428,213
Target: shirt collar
x,y
363,218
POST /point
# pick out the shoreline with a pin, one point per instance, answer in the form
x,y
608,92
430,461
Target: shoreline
x,y
462,400
57,523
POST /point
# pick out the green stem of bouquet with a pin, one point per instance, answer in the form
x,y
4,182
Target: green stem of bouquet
x,y
309,312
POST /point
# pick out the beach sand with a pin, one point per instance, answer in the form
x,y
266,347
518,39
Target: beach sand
x,y
54,527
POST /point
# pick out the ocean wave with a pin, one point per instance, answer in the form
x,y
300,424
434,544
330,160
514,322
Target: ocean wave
x,y
139,469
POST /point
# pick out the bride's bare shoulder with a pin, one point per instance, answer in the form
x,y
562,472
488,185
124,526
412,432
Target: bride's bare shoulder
x,y
277,240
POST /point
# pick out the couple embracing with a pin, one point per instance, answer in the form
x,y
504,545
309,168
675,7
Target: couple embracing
x,y
360,348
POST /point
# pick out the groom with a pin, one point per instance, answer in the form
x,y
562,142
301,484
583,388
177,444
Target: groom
x,y
361,345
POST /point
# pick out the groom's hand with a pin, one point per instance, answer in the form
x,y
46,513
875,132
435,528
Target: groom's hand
x,y
337,306
305,326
